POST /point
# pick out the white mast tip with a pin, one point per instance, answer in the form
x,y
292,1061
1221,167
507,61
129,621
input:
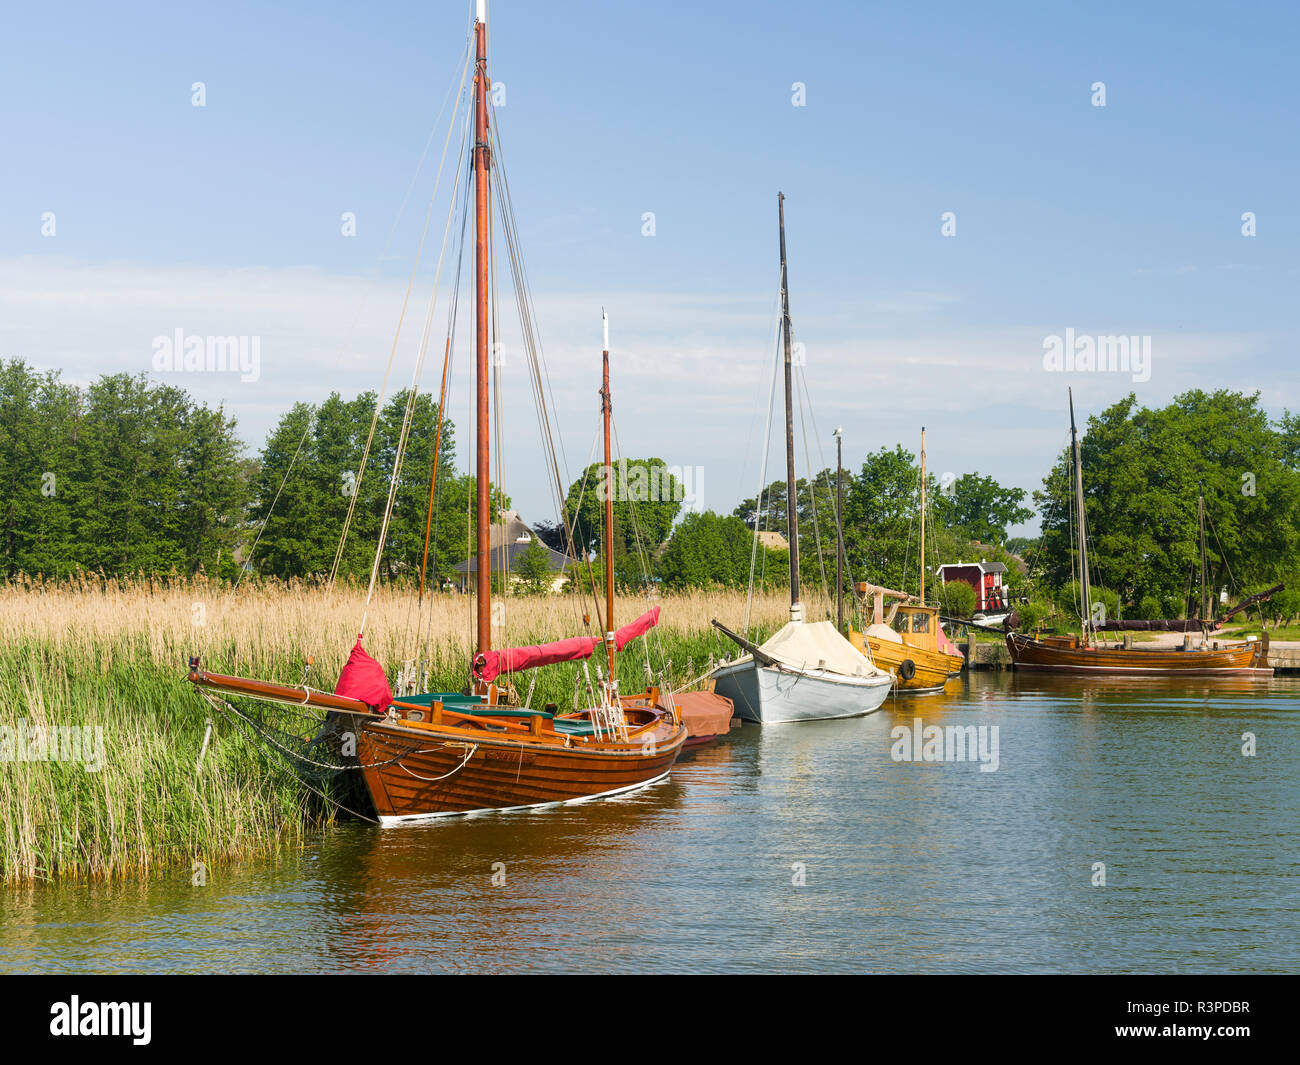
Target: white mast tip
x,y
482,11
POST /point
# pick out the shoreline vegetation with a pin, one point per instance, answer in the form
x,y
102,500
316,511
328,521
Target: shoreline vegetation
x,y
108,657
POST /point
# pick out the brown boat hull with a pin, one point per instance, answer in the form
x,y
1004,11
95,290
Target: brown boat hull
x,y
443,774
1068,656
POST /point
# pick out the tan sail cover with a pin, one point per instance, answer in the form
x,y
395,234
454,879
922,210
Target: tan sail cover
x,y
883,632
704,713
807,645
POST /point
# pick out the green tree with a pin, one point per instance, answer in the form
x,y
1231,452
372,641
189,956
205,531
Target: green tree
x,y
1143,470
708,549
647,500
981,508
957,599
313,465
532,566
817,521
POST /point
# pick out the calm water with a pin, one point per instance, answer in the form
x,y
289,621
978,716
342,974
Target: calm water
x,y
908,867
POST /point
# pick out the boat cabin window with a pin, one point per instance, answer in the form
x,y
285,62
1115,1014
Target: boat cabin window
x,y
909,621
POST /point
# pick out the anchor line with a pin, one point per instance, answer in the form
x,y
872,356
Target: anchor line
x,y
261,732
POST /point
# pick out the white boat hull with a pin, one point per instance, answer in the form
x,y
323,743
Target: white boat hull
x,y
770,695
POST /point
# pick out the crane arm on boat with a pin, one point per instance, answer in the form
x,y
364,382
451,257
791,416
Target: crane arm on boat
x,y
760,656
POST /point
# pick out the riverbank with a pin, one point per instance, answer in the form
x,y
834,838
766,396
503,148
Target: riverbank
x,y
1283,655
100,733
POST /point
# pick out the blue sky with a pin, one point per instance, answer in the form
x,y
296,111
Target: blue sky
x,y
1123,219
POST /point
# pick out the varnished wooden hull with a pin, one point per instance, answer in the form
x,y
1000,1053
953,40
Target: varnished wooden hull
x,y
445,773
933,668
1064,656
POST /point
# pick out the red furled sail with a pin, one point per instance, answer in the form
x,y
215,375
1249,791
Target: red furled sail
x,y
363,678
491,664
945,645
633,629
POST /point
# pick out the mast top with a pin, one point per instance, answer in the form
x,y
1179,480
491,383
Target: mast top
x,y
481,15
604,324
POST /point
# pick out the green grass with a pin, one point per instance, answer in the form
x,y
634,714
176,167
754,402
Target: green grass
x,y
148,807
1240,632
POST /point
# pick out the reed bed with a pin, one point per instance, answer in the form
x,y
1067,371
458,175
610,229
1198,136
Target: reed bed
x,y
111,655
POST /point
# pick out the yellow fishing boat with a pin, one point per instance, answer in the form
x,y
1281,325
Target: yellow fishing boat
x,y
907,641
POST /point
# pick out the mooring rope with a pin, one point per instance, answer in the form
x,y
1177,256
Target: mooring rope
x,y
473,748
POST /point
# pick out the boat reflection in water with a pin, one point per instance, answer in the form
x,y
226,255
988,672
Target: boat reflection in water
x,y
472,894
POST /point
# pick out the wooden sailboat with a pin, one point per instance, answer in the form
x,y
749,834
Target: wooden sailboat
x,y
443,753
908,640
1083,653
807,671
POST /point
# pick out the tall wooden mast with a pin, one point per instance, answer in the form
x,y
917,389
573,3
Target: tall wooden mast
x,y
1085,589
606,409
922,597
482,325
839,531
1204,610
791,497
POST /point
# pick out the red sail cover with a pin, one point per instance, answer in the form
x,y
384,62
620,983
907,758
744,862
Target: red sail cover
x,y
491,664
640,627
363,678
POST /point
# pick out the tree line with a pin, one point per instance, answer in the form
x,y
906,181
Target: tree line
x,y
128,476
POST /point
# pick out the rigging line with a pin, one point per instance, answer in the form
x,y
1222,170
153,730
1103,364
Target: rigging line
x,y
540,379
412,394
821,457
401,209
225,603
577,509
802,387
742,474
379,399
1223,555
498,406
433,464
419,167
911,525
762,480
643,557
424,629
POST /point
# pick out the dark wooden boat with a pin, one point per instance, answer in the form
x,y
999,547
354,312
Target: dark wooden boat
x,y
1084,654
445,753
1068,654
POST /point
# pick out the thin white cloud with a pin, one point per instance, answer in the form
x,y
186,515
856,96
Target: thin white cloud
x,y
691,371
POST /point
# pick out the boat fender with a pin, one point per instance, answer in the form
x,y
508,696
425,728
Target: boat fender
x,y
907,670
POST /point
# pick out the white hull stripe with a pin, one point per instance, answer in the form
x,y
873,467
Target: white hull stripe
x,y
405,819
